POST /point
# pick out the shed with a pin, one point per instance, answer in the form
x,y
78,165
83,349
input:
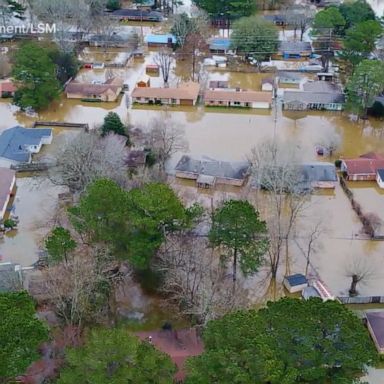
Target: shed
x,y
375,324
219,45
160,40
145,81
218,84
295,283
325,76
205,181
152,69
380,177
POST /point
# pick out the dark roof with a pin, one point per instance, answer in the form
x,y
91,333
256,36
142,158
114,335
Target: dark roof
x,y
318,171
381,173
13,142
321,86
10,277
297,279
294,47
219,43
313,97
376,322
225,169
218,84
137,13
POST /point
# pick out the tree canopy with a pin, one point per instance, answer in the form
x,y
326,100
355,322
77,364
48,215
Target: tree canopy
x,y
21,333
355,12
237,227
364,85
113,123
255,36
35,73
290,341
228,9
114,356
59,244
328,19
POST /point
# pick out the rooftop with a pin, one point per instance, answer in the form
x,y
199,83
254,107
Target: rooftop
x,y
297,279
313,97
89,89
219,43
362,165
137,13
240,96
188,90
293,47
376,323
160,39
321,86
13,142
318,171
381,173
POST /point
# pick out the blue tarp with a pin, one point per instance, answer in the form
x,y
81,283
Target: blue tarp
x,y
160,39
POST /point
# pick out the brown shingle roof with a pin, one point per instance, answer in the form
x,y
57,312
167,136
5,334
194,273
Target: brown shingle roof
x,y
240,96
88,89
363,166
6,178
188,90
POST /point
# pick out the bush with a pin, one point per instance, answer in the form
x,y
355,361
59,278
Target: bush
x,y
9,223
113,5
338,163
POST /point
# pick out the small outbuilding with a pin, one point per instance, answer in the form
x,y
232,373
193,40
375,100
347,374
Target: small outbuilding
x,y
166,40
295,283
219,45
144,82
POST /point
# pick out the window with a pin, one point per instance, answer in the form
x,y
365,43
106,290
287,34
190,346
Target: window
x,y
236,103
147,98
173,101
220,102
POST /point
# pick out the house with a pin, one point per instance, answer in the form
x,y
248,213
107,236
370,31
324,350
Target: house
x,y
268,84
363,168
7,185
213,84
380,177
302,100
136,15
166,40
219,45
318,175
183,94
7,89
294,49
321,87
238,98
17,144
325,76
295,283
209,172
11,277
107,91
179,345
145,81
375,325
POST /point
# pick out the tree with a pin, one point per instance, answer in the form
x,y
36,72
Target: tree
x,y
182,26
328,19
164,59
112,356
113,5
355,12
87,157
364,85
5,67
166,138
227,9
360,41
59,244
66,65
290,341
299,18
35,73
21,333
237,228
112,123
254,36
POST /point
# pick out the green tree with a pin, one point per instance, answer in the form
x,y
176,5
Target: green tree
x,y
290,341
228,9
364,85
237,228
360,41
113,5
35,73
328,19
255,36
355,12
112,123
59,244
114,356
21,333
67,65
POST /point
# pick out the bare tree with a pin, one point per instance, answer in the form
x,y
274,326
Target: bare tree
x,y
375,221
299,17
164,59
276,170
330,141
361,270
167,137
87,157
195,280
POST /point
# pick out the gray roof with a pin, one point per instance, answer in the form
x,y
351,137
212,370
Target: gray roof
x,y
313,97
318,171
10,277
381,173
294,47
321,86
230,170
13,142
376,321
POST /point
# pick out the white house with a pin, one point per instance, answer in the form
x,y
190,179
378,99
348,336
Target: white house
x,y
7,184
380,177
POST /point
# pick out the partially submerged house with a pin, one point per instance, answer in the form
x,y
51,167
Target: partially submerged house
x,y
219,45
165,40
136,15
294,49
295,283
363,168
237,98
107,91
375,325
183,94
7,185
302,101
318,175
209,172
7,89
17,144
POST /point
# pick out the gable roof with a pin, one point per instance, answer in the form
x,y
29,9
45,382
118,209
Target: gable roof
x,y
229,170
362,166
380,172
188,91
239,96
6,180
88,89
160,39
137,13
13,142
313,97
7,86
321,86
318,171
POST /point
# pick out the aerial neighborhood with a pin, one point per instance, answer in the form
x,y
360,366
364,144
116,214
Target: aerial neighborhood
x,y
191,191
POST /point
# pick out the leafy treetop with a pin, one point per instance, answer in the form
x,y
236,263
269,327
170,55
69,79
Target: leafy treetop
x,y
228,9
